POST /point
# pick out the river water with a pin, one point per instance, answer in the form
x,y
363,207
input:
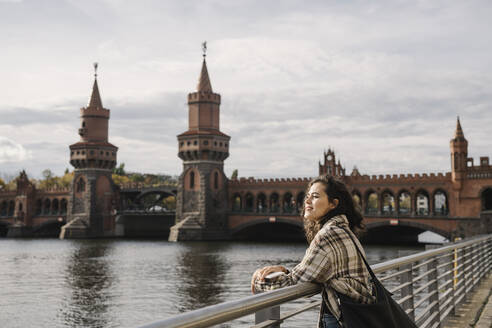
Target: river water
x,y
127,283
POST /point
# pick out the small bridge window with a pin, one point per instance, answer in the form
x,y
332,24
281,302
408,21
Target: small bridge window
x,y
388,203
422,203
288,203
261,204
405,203
249,202
372,203
274,203
39,206
4,208
300,201
55,208
192,180
63,206
440,203
11,208
216,180
356,198
236,203
47,206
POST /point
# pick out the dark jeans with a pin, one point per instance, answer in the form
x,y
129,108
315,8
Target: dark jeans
x,y
329,321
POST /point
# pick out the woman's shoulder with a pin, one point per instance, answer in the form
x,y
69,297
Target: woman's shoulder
x,y
333,234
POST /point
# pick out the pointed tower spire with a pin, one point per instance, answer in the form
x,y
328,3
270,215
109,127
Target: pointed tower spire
x,y
95,101
458,134
204,84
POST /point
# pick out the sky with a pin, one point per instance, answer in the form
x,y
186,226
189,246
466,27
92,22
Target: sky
x,y
380,82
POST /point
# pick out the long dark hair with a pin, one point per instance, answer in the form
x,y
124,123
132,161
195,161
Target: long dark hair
x,y
334,189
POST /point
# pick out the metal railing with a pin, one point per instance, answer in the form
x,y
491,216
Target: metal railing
x,y
428,285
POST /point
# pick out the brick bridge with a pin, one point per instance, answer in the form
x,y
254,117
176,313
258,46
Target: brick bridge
x,y
29,211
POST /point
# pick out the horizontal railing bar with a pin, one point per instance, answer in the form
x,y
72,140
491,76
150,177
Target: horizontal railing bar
x,y
426,310
393,290
424,275
443,265
444,314
444,274
403,299
447,301
447,282
393,275
425,298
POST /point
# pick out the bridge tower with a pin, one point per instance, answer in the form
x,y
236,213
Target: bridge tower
x,y
330,165
201,204
459,156
92,196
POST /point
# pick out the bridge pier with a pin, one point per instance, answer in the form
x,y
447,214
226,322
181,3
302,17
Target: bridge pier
x,y
19,231
190,229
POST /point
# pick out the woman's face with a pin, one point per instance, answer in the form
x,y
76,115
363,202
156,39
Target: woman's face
x,y
316,203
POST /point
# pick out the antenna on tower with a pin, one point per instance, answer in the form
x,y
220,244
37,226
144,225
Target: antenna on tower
x,y
95,69
204,48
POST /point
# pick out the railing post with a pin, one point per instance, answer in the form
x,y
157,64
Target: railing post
x,y
464,256
407,277
271,313
433,288
454,274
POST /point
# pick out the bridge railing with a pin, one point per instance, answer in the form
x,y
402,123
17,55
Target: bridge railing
x,y
429,285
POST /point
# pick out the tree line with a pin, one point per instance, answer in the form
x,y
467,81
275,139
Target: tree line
x,y
120,177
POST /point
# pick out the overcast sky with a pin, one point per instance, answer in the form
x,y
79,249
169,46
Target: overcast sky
x,y
381,82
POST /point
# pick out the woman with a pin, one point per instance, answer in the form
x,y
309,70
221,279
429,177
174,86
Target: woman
x,y
332,259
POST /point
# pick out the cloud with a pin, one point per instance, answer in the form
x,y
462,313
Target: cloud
x,y
10,151
381,82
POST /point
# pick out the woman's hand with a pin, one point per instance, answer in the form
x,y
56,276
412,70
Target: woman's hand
x,y
260,274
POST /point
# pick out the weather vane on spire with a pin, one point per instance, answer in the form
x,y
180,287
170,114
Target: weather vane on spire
x,y
95,69
204,48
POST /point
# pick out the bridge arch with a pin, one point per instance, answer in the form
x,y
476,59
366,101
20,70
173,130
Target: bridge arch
x,y
156,199
281,229
486,198
411,224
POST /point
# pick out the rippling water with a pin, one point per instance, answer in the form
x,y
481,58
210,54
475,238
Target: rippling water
x,y
127,283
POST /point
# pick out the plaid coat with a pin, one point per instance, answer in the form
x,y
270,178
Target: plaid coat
x,y
332,261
